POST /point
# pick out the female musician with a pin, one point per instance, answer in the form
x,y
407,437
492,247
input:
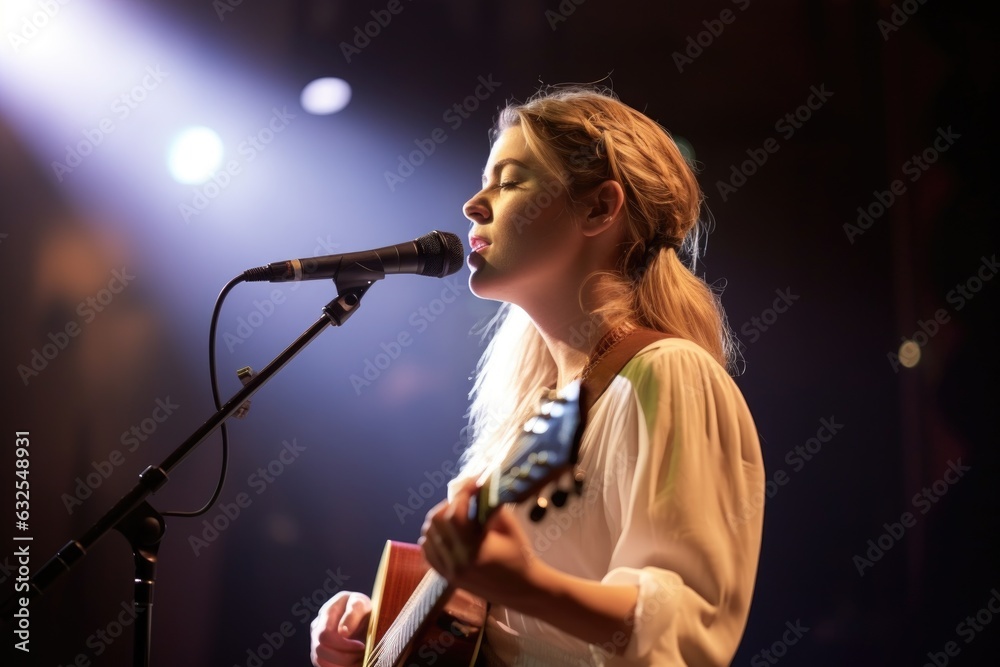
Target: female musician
x,y
585,206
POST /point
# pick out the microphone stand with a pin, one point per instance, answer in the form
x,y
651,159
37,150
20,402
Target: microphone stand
x,y
141,524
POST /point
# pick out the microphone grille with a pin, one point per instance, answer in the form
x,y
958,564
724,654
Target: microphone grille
x,y
443,253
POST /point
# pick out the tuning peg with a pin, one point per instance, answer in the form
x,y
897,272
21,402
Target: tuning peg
x,y
578,478
559,497
537,512
554,408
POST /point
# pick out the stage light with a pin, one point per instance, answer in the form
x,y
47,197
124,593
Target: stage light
x,y
325,96
194,155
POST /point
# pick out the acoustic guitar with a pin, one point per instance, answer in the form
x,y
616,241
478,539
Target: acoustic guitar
x,y
417,617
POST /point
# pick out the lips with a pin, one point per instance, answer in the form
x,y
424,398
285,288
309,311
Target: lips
x,y
477,243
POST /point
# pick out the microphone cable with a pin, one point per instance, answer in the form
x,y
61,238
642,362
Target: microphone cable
x,y
214,379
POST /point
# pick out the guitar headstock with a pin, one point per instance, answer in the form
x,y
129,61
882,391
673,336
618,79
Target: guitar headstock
x,y
547,449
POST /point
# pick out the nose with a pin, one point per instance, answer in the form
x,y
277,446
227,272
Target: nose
x,y
477,209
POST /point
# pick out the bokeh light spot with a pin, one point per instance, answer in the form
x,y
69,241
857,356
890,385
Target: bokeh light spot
x,y
194,155
909,354
325,96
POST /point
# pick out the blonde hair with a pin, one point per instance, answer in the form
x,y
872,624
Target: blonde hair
x,y
584,137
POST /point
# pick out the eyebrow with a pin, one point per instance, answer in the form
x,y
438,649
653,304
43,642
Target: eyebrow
x,y
498,167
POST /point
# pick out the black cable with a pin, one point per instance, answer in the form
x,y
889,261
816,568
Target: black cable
x,y
212,329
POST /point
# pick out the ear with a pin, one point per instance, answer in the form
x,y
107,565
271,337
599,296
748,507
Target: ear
x,y
604,205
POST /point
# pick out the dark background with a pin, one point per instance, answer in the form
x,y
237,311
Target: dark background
x,y
320,187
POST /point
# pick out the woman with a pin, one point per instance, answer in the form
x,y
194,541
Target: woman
x,y
584,206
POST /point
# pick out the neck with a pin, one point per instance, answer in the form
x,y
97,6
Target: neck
x,y
569,332
571,344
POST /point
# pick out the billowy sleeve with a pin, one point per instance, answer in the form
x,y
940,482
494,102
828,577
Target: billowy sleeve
x,y
684,504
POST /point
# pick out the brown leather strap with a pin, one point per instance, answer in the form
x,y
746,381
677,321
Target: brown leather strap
x,y
610,365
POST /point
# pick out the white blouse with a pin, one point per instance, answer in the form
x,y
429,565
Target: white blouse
x,y
671,503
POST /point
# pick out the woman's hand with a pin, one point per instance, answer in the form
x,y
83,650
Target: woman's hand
x,y
498,564
495,562
338,630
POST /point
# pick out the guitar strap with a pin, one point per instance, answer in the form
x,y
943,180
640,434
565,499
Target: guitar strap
x,y
608,366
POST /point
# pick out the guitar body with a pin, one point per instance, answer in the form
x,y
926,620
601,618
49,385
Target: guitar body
x,y
450,636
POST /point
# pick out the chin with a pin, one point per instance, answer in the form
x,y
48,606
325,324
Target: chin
x,y
485,284
481,286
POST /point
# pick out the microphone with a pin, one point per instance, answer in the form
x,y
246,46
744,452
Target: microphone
x,y
437,254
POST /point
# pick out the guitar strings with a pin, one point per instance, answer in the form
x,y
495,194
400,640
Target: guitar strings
x,y
409,618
